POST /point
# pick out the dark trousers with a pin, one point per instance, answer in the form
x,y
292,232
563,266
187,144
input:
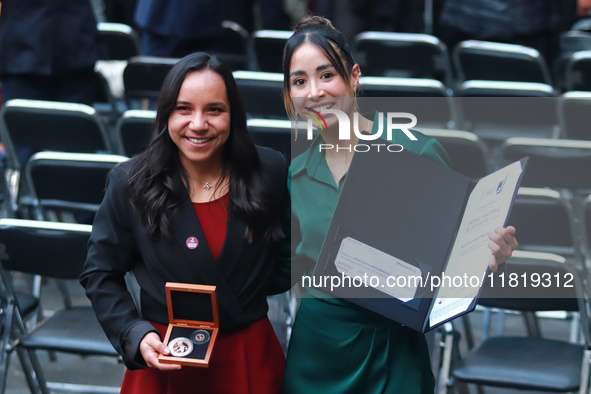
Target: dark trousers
x,y
75,86
162,46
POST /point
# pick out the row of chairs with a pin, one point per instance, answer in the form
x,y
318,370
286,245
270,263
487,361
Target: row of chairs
x,y
384,54
540,114
408,55
411,55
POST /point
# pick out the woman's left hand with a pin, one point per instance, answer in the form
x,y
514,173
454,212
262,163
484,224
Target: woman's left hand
x,y
502,243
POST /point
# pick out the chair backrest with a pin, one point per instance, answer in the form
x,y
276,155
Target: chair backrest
x,y
498,110
587,225
540,282
118,41
69,181
31,126
402,55
583,24
104,102
234,50
50,249
544,222
578,71
569,42
133,131
261,93
494,61
468,154
573,114
428,99
279,135
268,49
143,77
560,164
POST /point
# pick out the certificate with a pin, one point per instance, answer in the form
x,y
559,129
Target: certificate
x,y
409,237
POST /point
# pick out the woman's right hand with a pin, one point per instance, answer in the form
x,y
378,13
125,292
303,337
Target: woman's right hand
x,y
151,347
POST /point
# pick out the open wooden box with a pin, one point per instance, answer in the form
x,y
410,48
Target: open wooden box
x,y
193,324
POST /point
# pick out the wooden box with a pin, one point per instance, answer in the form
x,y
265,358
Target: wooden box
x,y
193,324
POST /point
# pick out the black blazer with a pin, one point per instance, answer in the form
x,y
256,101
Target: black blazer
x,y
119,244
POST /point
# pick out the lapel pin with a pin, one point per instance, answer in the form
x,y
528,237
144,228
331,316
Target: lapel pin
x,y
192,242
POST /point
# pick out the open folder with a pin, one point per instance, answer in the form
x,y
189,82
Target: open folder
x,y
409,237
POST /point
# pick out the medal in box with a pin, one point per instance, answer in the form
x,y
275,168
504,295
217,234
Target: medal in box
x,y
193,324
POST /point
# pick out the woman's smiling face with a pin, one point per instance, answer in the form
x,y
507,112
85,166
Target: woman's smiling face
x,y
314,84
199,124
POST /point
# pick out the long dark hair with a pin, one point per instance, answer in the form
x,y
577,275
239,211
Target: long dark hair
x,y
320,32
154,194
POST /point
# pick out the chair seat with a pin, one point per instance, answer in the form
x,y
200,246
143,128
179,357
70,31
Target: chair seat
x,y
27,302
74,330
528,363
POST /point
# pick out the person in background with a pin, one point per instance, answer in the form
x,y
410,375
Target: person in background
x,y
533,23
337,347
48,50
176,28
200,205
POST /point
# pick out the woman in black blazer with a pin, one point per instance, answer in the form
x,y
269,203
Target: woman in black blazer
x,y
201,205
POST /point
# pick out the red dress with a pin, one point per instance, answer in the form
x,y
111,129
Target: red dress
x,y
245,361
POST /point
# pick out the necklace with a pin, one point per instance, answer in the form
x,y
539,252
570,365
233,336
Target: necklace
x,y
206,185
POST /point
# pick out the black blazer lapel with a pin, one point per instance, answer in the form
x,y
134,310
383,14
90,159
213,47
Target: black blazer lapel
x,y
190,238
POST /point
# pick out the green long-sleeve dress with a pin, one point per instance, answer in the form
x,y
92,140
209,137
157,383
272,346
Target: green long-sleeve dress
x,y
336,346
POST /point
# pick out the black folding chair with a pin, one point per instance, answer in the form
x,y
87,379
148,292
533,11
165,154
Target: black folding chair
x,y
235,47
59,252
133,131
493,61
498,110
468,154
406,55
557,164
529,362
261,93
428,99
16,310
268,49
573,114
279,135
578,71
68,187
31,126
142,79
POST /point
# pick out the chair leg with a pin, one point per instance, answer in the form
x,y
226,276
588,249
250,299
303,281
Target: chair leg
x,y
31,361
448,343
584,385
5,350
532,324
33,375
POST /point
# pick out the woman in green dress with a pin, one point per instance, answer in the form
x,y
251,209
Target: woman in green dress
x,y
337,347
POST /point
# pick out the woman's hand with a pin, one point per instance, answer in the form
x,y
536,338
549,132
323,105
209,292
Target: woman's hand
x,y
151,346
502,243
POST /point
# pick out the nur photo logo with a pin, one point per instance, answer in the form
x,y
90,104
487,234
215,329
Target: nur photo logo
x,y
392,120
